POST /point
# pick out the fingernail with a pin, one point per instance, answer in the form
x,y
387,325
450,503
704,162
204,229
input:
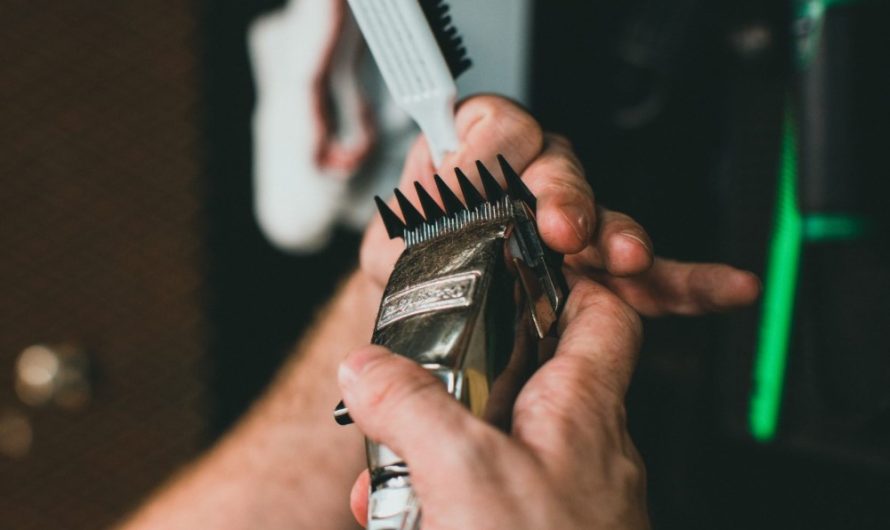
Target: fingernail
x,y
579,221
754,282
352,367
638,239
346,376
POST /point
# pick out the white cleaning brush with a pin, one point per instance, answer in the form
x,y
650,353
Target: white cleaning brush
x,y
420,54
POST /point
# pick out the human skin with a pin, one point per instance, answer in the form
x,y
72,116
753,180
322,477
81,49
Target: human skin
x,y
287,465
568,461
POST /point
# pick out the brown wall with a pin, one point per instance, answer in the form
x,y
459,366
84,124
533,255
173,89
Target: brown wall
x,y
100,221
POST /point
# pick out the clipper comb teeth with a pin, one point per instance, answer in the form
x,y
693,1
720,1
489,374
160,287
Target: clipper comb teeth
x,y
451,44
435,220
449,199
413,219
472,197
394,226
515,186
430,209
493,190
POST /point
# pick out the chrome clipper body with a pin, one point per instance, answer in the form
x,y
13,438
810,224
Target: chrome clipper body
x,y
468,298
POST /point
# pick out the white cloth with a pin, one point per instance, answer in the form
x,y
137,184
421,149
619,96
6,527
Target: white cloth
x,y
299,197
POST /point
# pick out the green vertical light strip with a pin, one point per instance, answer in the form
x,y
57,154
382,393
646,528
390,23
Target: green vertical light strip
x,y
778,296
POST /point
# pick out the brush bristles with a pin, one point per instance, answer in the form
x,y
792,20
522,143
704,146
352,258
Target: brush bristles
x,y
474,202
449,41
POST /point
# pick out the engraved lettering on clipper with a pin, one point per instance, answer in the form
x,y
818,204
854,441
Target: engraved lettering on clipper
x,y
442,293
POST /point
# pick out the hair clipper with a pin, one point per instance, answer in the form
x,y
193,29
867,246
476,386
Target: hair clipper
x,y
469,298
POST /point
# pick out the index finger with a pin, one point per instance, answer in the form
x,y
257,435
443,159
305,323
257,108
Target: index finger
x,y
566,208
489,126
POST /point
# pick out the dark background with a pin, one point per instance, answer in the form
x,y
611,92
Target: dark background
x,y
127,228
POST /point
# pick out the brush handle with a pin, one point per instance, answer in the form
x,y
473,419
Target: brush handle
x,y
412,63
435,116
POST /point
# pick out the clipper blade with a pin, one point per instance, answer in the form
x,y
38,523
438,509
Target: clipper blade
x,y
475,205
464,300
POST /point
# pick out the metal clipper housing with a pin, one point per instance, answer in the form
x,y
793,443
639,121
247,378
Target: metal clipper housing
x,y
468,298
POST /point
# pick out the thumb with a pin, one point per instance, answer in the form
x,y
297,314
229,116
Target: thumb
x,y
396,402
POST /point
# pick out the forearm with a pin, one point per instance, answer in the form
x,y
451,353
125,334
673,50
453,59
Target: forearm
x,y
287,464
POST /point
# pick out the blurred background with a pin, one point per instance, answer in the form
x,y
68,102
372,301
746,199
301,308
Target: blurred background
x,y
142,306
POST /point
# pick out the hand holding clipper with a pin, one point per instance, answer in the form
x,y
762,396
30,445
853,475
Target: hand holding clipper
x,y
469,296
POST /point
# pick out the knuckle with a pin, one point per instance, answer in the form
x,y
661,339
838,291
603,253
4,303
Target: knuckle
x,y
619,221
514,121
561,148
527,130
559,174
567,189
560,141
546,402
565,167
562,393
583,297
490,103
589,296
619,216
475,449
630,472
550,186
497,108
514,125
624,315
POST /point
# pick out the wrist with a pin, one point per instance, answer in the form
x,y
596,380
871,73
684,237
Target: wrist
x,y
345,323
